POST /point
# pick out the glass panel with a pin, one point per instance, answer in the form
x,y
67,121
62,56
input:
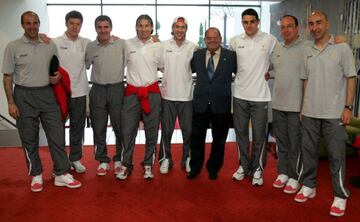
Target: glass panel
x,y
234,2
128,2
193,2
57,19
73,1
197,17
228,20
124,18
265,17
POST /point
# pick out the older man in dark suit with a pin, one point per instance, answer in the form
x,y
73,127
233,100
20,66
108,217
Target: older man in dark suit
x,y
214,67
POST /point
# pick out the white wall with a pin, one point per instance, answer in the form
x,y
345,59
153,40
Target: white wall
x,y
10,12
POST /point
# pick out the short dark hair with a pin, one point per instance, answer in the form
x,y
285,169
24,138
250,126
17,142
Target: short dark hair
x,y
293,17
101,18
250,11
144,17
214,28
73,14
29,12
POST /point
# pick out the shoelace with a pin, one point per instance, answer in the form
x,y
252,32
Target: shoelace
x,y
338,203
69,177
239,170
257,173
103,166
37,179
122,171
292,183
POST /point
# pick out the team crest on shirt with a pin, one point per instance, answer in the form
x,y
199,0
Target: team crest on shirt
x,y
23,55
169,50
132,52
63,47
241,46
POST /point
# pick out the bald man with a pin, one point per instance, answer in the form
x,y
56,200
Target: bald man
x,y
329,86
26,64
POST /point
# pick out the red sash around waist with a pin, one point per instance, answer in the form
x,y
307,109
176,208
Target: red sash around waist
x,y
143,94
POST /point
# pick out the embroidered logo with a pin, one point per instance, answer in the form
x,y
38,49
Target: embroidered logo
x,y
23,55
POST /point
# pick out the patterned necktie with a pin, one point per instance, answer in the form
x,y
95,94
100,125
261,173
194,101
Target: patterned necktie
x,y
210,66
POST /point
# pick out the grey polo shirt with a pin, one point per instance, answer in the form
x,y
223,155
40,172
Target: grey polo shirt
x,y
107,61
28,62
326,72
288,85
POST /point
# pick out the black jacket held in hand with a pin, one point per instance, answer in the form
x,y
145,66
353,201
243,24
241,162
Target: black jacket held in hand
x,y
217,91
54,65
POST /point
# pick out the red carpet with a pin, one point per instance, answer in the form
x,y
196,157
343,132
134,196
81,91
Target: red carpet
x,y
169,197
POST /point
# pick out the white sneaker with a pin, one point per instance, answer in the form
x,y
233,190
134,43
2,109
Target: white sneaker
x,y
187,165
257,178
78,167
123,173
66,180
338,207
280,181
239,174
164,167
117,166
148,174
102,169
304,194
292,186
37,183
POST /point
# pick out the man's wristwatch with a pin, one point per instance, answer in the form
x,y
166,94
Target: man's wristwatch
x,y
349,107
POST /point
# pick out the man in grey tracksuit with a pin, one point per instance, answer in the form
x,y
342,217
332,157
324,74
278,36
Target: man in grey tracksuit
x,y
329,86
107,58
26,63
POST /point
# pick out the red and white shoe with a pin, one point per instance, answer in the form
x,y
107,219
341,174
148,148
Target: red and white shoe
x,y
102,169
239,174
280,181
37,183
148,174
304,194
292,186
338,207
78,167
66,180
123,173
117,166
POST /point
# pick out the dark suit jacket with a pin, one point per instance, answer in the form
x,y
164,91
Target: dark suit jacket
x,y
217,91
